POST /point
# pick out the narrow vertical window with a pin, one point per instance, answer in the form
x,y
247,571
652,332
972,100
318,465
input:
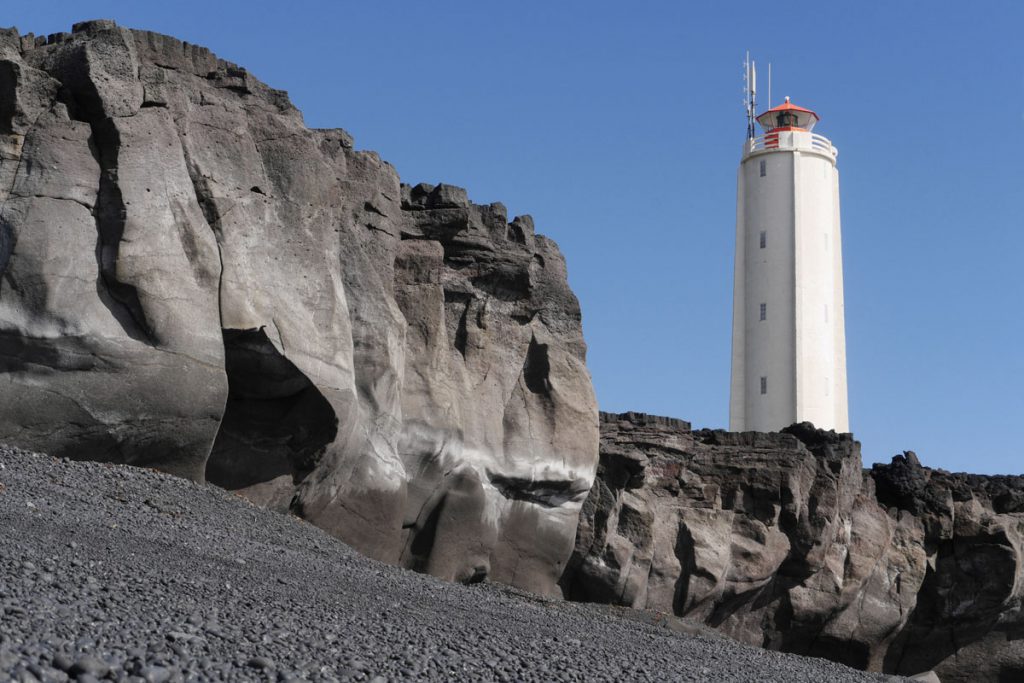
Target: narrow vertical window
x,y
764,238
828,385
764,168
826,312
764,311
764,385
826,241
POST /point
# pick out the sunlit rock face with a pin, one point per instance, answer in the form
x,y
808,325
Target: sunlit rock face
x,y
782,540
192,280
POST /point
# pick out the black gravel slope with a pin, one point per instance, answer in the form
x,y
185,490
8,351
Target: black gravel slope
x,y
126,574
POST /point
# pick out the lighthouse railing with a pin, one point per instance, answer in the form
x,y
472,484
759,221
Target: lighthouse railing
x,y
771,141
822,143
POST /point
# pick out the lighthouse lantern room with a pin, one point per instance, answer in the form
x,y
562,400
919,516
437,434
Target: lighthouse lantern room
x,y
787,116
788,342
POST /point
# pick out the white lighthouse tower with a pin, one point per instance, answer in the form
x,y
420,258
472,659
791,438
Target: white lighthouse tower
x,y
788,339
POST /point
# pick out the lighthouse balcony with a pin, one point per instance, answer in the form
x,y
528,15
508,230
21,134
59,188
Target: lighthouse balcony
x,y
788,140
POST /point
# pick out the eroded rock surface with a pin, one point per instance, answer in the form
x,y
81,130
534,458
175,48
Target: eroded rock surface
x,y
782,540
191,279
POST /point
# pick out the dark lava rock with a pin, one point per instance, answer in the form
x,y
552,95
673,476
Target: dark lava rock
x,y
782,540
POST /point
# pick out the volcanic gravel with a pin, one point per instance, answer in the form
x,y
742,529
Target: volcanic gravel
x,y
114,572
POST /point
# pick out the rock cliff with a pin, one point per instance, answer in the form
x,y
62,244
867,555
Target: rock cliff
x,y
782,540
192,280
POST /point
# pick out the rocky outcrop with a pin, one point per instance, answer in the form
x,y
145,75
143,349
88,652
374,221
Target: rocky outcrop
x,y
192,280
968,623
782,540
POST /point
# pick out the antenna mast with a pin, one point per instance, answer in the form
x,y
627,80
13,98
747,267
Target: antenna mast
x,y
750,93
769,85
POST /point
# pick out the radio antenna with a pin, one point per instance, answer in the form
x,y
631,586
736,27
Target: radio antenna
x,y
769,85
750,93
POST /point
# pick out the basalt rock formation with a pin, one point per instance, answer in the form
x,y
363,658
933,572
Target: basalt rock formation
x,y
782,540
192,280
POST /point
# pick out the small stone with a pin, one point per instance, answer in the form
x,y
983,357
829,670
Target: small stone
x,y
260,663
89,665
155,674
62,662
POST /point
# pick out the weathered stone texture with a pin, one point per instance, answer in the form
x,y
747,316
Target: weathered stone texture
x,y
782,540
192,280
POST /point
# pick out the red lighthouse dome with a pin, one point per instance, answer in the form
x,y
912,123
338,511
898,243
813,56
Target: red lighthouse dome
x,y
787,116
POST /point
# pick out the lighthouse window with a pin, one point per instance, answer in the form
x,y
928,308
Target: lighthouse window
x,y
764,238
764,311
785,119
764,385
764,168
826,312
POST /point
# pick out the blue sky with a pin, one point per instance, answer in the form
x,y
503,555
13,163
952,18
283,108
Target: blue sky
x,y
618,126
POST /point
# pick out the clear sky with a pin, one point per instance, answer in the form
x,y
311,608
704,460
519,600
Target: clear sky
x,y
619,126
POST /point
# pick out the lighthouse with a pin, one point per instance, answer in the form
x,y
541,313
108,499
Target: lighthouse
x,y
788,338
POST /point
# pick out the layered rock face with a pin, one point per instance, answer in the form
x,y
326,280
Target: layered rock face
x,y
192,280
782,540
